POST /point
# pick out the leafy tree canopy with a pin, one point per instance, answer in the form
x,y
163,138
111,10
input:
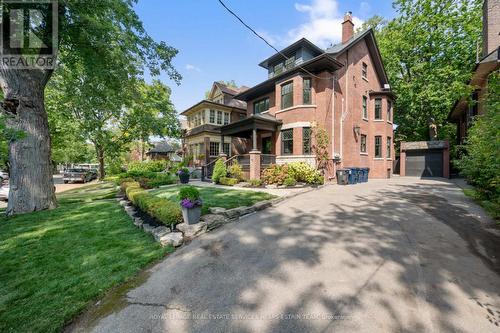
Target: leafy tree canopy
x,y
429,53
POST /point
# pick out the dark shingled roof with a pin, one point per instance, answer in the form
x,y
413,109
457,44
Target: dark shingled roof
x,y
338,48
161,147
226,89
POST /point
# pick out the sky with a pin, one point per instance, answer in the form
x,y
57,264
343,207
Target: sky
x,y
214,46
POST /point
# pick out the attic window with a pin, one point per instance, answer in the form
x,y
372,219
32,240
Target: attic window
x,y
364,71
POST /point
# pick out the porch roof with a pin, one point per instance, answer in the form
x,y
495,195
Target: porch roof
x,y
244,127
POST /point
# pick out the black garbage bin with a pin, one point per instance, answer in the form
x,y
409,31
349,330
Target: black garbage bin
x,y
342,177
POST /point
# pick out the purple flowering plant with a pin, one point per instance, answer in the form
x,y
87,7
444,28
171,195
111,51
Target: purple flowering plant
x,y
189,197
183,171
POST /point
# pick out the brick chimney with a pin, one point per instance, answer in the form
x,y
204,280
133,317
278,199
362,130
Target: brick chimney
x,y
347,27
491,26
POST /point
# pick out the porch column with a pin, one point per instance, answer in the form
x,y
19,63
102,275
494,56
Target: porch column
x,y
221,149
255,164
206,146
254,139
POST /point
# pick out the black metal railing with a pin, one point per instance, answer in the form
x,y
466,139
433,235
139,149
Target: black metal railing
x,y
266,160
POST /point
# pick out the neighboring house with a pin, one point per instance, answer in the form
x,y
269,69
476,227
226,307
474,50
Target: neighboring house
x,y
469,106
163,151
282,111
202,136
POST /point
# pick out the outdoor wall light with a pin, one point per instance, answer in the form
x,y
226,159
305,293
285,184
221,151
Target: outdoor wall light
x,y
357,129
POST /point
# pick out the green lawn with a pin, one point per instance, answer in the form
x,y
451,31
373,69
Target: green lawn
x,y
217,197
53,263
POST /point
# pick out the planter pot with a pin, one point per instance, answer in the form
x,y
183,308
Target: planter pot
x,y
191,215
184,178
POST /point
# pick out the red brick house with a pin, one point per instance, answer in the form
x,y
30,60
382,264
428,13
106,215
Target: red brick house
x,y
343,89
468,107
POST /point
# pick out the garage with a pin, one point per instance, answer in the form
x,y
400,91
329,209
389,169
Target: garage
x,y
424,163
424,159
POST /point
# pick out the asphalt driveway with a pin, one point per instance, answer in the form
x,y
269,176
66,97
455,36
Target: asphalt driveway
x,y
388,256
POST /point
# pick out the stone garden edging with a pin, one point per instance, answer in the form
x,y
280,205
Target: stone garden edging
x,y
217,218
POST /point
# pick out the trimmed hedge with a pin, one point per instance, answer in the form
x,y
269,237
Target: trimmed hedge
x,y
165,211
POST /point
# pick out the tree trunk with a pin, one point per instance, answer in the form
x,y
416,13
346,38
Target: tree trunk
x,y
100,159
31,182
142,150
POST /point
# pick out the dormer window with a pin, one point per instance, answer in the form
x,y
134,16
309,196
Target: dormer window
x,y
364,71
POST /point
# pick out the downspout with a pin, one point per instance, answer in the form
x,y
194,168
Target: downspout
x,y
333,127
342,132
344,112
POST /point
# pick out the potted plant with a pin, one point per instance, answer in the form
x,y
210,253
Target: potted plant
x,y
190,204
183,174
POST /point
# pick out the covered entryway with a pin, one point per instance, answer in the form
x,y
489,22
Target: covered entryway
x,y
425,159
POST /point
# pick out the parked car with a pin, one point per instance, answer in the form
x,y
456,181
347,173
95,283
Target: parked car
x,y
3,176
4,192
78,175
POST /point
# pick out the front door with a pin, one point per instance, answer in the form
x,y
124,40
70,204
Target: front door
x,y
266,145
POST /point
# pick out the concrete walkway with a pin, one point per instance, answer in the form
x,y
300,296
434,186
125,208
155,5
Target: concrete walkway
x,y
387,256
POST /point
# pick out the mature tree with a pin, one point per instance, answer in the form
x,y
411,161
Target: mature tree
x,y
429,52
375,22
151,114
105,38
111,115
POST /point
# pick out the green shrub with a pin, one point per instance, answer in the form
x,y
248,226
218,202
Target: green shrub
x,y
480,164
148,179
189,192
163,210
228,181
166,211
290,182
303,172
275,174
148,166
219,170
133,190
161,178
140,174
255,182
236,171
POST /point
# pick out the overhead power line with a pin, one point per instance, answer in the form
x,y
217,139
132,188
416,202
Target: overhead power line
x,y
268,43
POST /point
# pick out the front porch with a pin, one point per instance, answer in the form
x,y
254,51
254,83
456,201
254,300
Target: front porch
x,y
259,131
